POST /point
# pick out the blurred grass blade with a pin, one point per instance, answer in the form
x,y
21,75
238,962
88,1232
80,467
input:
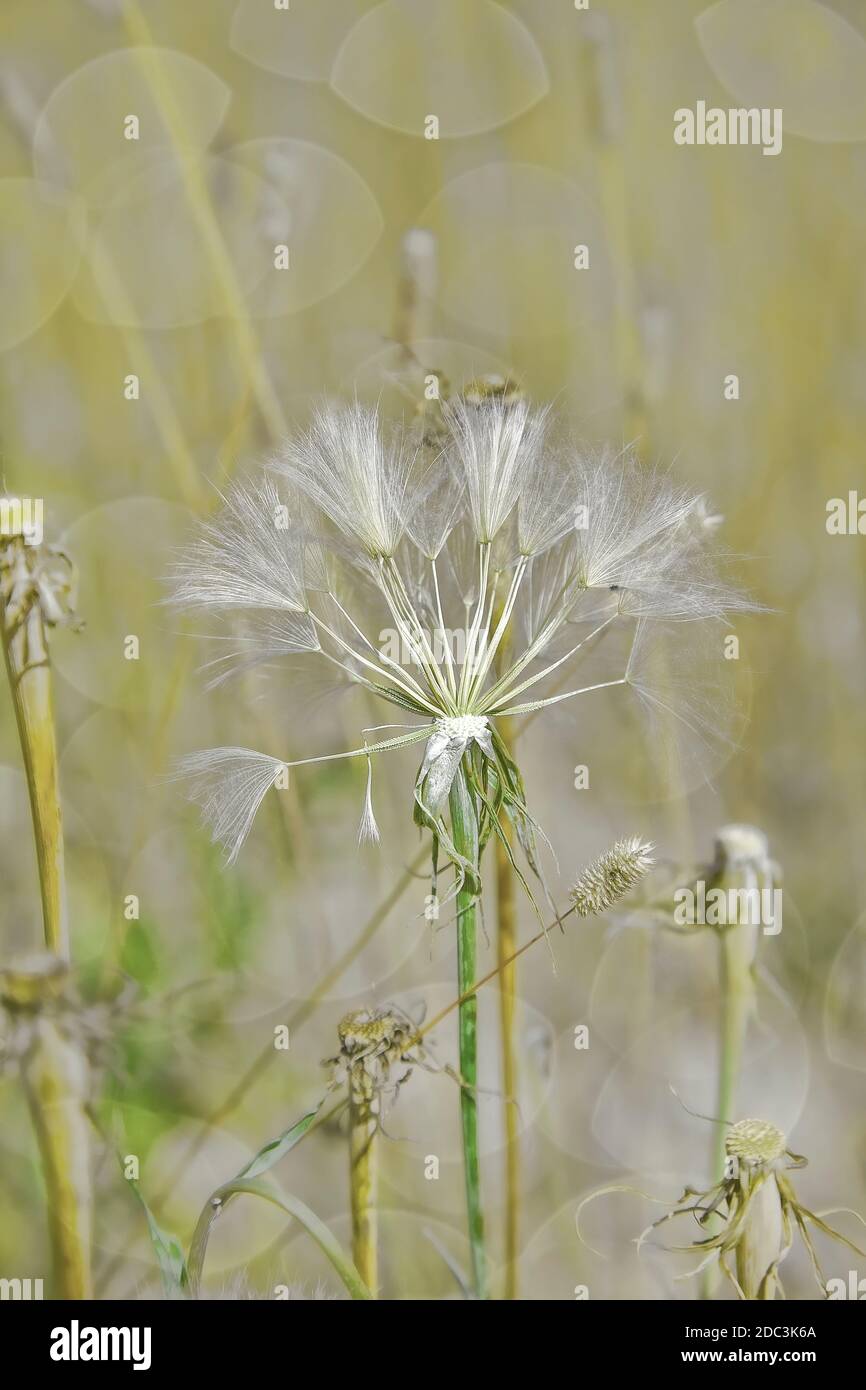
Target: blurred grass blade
x,y
454,1269
293,1207
246,1182
277,1148
168,1251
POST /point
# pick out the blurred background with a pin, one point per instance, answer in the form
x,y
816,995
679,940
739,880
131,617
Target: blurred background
x,y
152,344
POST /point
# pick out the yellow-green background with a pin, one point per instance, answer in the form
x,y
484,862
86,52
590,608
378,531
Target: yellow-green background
x,y
703,262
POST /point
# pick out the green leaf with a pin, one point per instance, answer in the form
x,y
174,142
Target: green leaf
x,y
277,1148
168,1251
245,1183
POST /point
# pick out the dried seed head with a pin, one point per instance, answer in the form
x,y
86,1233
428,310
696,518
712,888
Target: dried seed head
x,y
40,578
365,1028
372,1043
40,999
759,1212
755,1142
611,876
758,1240
33,981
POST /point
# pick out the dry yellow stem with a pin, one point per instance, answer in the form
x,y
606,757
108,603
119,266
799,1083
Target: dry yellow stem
x,y
55,1079
55,1075
362,1185
29,672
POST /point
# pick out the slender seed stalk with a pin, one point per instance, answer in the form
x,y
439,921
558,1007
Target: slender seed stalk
x,y
736,1001
55,1076
608,118
25,649
55,1081
506,941
54,1070
265,1058
741,863
363,1188
207,222
464,829
598,887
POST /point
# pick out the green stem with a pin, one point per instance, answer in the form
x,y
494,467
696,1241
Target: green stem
x,y
741,863
506,940
464,832
736,995
736,991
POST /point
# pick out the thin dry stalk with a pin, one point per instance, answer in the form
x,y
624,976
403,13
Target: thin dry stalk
x,y
55,1080
363,1189
741,863
55,1075
25,649
35,593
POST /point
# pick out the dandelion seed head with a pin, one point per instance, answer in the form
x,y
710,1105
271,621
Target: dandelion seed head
x,y
608,878
449,571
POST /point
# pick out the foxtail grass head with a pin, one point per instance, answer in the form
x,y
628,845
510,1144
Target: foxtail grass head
x,y
611,876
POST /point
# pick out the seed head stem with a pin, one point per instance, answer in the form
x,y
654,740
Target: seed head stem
x,y
363,1188
506,941
55,1081
464,832
737,945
